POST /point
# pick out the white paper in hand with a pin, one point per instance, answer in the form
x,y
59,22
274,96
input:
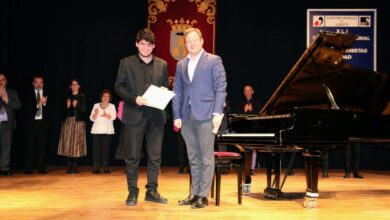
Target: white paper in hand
x,y
157,97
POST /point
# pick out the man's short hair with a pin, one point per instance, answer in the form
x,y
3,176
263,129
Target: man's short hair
x,y
38,76
189,30
147,35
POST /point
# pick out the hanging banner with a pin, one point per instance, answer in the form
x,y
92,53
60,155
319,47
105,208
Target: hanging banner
x,y
361,22
169,18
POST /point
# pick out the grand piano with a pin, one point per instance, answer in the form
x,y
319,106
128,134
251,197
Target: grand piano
x,y
322,102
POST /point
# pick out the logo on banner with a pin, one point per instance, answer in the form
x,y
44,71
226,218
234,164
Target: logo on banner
x,y
318,21
177,44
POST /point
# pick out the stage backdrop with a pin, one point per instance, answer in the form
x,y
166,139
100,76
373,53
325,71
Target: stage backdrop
x,y
169,18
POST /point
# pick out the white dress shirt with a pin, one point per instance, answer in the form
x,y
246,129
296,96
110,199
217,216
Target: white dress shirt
x,y
192,64
40,117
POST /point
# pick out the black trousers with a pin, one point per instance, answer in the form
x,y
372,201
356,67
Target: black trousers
x,y
101,150
352,157
36,146
133,140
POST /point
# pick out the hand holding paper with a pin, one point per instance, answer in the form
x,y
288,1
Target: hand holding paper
x,y
217,121
157,97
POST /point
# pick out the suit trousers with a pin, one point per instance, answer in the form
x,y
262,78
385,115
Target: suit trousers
x,y
36,146
352,157
101,150
199,140
133,139
5,146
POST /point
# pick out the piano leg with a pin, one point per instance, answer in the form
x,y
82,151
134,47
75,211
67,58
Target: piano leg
x,y
247,166
273,190
311,172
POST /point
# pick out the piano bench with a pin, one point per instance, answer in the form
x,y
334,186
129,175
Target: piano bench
x,y
224,162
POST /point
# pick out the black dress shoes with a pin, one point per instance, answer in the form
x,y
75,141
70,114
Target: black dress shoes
x,y
357,175
28,172
200,202
189,200
42,172
107,171
5,173
152,195
132,198
347,174
95,171
325,174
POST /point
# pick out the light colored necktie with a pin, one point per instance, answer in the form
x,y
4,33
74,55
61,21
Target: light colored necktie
x,y
39,111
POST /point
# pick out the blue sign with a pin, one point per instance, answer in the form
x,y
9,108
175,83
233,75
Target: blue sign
x,y
361,22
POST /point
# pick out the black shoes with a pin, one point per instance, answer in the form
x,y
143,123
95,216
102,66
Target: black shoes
x,y
152,195
189,200
95,171
72,171
42,172
200,202
132,198
325,174
28,172
355,175
107,171
6,173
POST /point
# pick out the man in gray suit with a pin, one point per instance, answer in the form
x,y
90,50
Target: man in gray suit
x,y
200,88
9,101
136,73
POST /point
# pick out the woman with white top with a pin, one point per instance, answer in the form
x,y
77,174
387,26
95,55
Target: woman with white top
x,y
103,115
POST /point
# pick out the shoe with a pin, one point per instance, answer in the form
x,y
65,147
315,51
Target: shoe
x,y
189,200
95,171
6,173
290,173
347,174
69,171
152,195
181,171
42,172
325,174
75,171
28,172
132,198
107,171
200,202
357,175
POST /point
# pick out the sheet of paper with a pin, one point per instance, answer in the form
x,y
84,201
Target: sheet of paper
x,y
157,97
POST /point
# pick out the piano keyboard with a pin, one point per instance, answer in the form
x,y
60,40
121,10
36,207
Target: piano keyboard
x,y
262,117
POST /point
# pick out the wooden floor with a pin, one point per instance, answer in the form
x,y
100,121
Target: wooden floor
x,y
87,196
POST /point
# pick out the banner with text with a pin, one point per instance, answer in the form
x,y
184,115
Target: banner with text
x,y
361,22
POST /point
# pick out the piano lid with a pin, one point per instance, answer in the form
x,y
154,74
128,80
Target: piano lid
x,y
322,66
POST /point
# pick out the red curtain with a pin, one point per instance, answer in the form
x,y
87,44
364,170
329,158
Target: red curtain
x,y
169,18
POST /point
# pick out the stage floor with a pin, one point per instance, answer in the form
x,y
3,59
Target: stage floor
x,y
88,196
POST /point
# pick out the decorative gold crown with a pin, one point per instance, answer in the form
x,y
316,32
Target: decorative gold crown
x,y
181,24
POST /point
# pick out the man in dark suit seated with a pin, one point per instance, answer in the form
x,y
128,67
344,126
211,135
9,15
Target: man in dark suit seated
x,y
9,101
249,105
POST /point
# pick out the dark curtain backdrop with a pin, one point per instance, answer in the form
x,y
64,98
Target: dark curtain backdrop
x,y
64,39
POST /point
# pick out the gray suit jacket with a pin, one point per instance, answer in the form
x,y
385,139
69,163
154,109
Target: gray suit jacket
x,y
12,105
206,92
131,83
